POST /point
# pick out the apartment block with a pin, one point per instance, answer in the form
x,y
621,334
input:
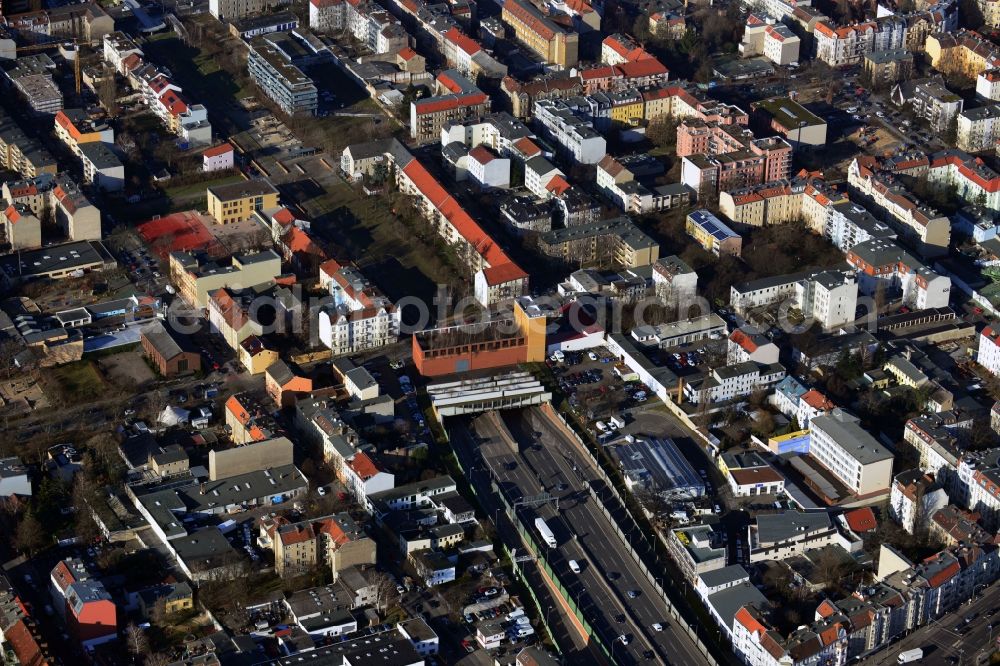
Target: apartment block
x,y
237,202
22,154
978,129
847,224
75,127
575,136
335,541
852,455
988,85
360,317
231,10
712,234
930,100
326,15
456,99
796,123
732,381
196,276
60,197
827,297
101,167
614,242
772,40
806,198
618,182
962,53
925,228
273,65
542,36
883,266
886,68
22,229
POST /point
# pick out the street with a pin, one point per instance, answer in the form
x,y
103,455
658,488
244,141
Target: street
x,y
942,644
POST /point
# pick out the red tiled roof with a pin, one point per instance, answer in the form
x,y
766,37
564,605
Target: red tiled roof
x,y
861,520
363,466
462,41
215,151
406,53
481,154
527,147
642,68
557,185
743,340
234,407
532,21
817,400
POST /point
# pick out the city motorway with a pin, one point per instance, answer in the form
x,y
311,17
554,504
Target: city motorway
x,y
944,643
530,455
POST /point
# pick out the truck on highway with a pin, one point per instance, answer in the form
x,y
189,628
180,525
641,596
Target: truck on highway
x,y
545,532
916,654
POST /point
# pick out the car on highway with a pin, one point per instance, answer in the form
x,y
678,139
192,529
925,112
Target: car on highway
x,y
632,594
657,626
623,639
574,566
648,655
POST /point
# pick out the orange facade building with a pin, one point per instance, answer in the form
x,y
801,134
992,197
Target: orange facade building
x,y
519,338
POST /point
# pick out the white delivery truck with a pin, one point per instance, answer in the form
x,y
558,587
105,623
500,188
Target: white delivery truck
x,y
545,532
916,654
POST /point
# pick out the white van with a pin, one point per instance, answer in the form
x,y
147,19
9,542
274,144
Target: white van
x,y
574,566
616,422
601,426
558,356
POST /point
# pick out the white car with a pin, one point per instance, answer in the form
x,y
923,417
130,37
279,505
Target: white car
x,y
321,490
657,626
623,639
592,356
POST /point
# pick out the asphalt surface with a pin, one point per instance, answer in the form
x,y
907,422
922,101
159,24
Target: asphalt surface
x,y
574,646
942,640
531,455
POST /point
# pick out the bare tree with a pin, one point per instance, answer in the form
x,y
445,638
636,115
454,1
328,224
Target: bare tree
x,y
107,91
135,641
384,588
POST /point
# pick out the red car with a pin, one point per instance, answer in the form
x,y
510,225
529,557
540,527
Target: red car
x,y
978,310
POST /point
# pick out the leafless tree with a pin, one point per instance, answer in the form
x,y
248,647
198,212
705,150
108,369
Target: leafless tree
x,y
384,588
135,641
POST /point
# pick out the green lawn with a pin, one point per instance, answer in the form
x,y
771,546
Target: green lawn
x,y
196,190
74,383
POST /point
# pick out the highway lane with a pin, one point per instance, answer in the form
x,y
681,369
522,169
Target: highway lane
x,y
573,645
523,476
610,553
542,459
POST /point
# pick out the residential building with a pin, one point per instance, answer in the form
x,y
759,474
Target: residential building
x,y
546,39
326,15
22,229
779,536
675,283
681,332
335,541
732,381
574,135
827,297
616,242
978,129
915,497
495,277
101,167
795,401
712,234
847,225
988,352
853,456
697,550
196,276
218,158
360,318
746,343
272,63
165,350
22,154
456,99
230,10
75,127
883,267
988,85
932,101
973,181
805,197
237,202
925,228
884,69
91,615
772,40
